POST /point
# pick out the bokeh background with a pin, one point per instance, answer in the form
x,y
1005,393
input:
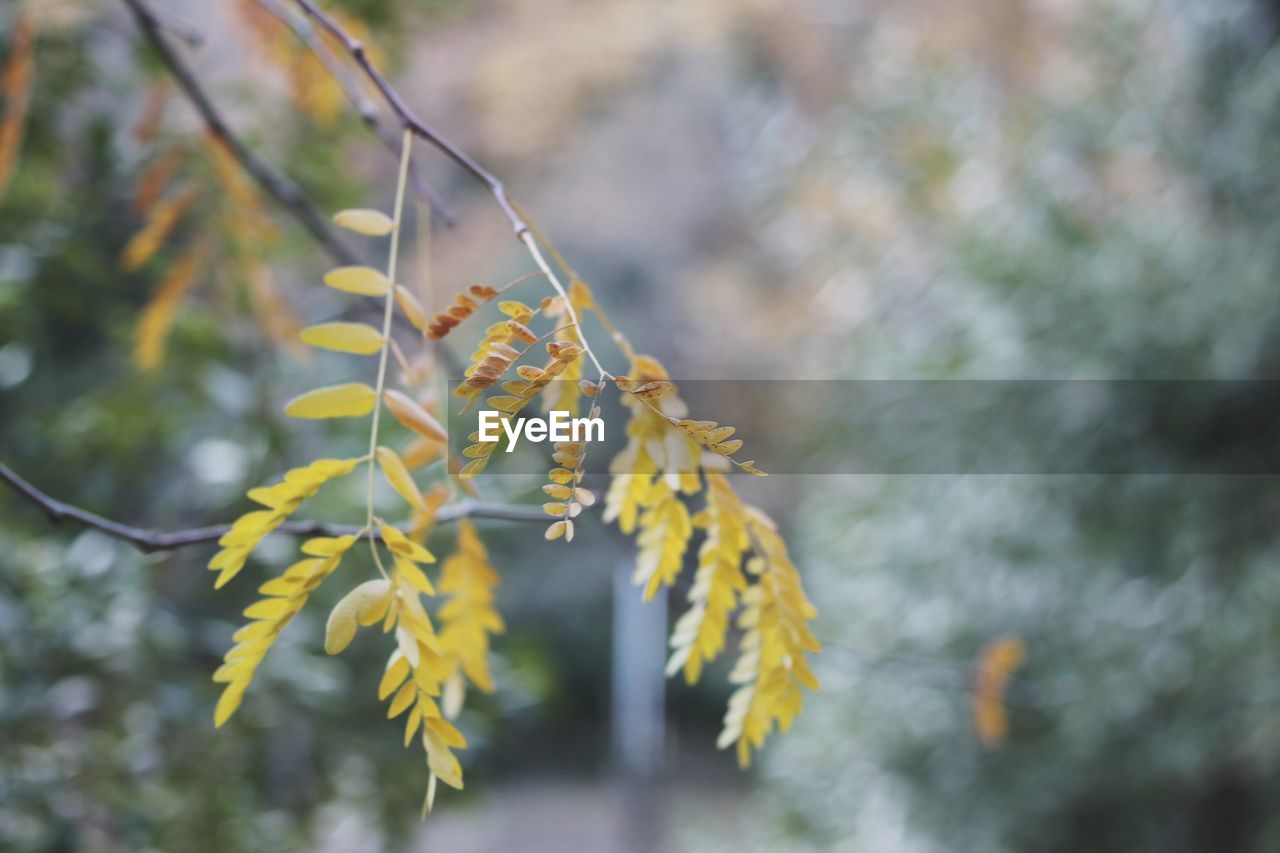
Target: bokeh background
x,y
756,189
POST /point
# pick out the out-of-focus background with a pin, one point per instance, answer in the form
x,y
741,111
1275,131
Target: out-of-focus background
x,y
808,189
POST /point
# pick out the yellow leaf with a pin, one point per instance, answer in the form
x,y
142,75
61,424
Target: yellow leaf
x,y
340,630
403,546
365,281
157,317
505,404
403,699
472,468
371,223
164,216
267,608
558,529
357,338
350,400
327,546
397,672
411,307
398,476
418,579
413,416
17,78
228,702
421,451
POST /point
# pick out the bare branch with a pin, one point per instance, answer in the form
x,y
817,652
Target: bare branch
x,y
409,120
149,541
368,113
272,181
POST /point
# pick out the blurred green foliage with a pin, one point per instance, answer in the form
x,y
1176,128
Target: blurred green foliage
x,y
1109,212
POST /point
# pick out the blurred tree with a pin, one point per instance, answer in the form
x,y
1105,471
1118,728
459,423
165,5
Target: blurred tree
x,y
1103,207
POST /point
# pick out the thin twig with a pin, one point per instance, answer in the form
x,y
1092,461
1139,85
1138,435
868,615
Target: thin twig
x,y
272,181
179,27
149,541
409,120
406,152
306,34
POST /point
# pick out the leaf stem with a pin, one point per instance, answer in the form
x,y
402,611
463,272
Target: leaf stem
x,y
406,148
532,245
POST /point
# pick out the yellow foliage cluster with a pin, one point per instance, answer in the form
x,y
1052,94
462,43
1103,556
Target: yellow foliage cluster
x,y
280,500
165,201
396,602
666,459
468,617
699,634
283,598
771,666
669,460
423,664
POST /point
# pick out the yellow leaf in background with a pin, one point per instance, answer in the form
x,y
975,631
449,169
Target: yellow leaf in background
x,y
350,400
153,108
156,320
421,451
269,306
371,223
413,416
340,630
365,281
997,662
398,476
411,308
15,85
154,180
356,338
165,214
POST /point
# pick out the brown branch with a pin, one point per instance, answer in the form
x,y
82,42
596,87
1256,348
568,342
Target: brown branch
x,y
149,541
272,181
409,120
359,102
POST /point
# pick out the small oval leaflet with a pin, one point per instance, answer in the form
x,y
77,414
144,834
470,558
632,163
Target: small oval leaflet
x,y
363,281
413,416
350,400
355,338
371,223
398,476
340,630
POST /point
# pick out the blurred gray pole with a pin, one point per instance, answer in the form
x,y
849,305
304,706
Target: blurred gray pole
x,y
639,718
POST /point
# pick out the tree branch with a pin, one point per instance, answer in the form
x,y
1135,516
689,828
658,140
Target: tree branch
x,y
305,33
411,121
150,541
273,182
